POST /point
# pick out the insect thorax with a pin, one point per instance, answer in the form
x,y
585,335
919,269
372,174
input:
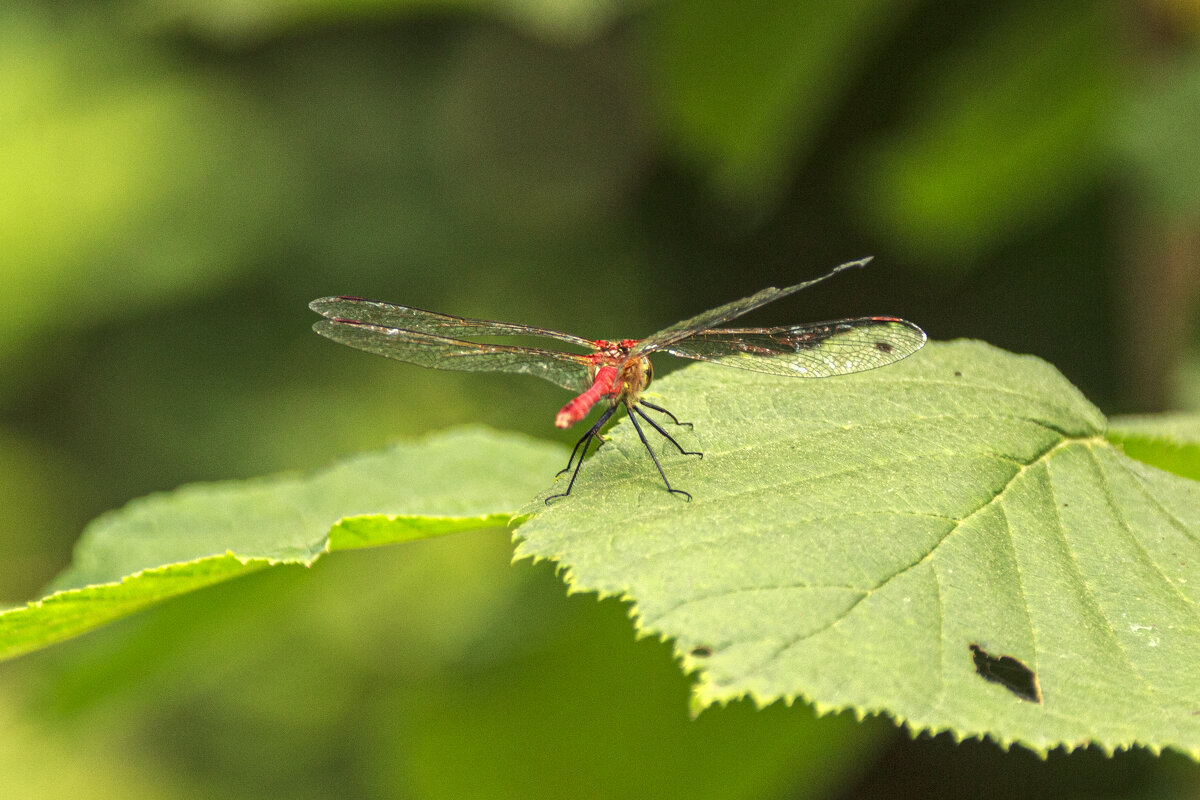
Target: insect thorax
x,y
634,377
633,374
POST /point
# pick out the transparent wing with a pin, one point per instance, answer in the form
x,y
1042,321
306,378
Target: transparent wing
x,y
568,370
807,351
389,315
722,314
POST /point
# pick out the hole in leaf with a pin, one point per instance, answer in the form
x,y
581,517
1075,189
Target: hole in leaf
x,y
701,652
1008,672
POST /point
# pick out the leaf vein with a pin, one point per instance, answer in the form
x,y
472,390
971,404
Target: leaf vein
x,y
793,641
1012,549
1093,603
1126,528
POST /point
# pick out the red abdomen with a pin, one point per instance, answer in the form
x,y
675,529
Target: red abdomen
x,y
579,407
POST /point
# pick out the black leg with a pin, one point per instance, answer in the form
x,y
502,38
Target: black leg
x,y
653,457
593,433
662,410
587,437
584,441
665,435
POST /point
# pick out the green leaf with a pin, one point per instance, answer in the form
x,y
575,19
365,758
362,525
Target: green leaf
x,y
1154,135
107,146
167,544
580,704
744,87
1009,131
242,20
864,542
1167,441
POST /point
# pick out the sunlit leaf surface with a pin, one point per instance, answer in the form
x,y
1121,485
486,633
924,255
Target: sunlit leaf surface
x,y
951,540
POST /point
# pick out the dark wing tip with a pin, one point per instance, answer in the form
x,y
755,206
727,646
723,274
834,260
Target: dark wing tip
x,y
918,341
900,321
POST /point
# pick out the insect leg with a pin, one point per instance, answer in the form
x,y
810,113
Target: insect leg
x,y
662,410
665,435
587,437
653,457
584,441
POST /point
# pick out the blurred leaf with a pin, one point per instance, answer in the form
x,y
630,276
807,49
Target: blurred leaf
x,y
456,670
164,545
742,88
1155,134
1009,132
466,160
1184,15
852,540
591,713
106,149
531,138
38,762
31,476
1166,441
239,21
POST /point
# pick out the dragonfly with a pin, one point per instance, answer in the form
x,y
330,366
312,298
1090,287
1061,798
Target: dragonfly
x,y
618,372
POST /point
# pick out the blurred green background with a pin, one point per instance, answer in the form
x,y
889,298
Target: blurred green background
x,y
178,178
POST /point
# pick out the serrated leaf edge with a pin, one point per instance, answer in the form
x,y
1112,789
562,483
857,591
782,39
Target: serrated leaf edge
x,y
700,699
